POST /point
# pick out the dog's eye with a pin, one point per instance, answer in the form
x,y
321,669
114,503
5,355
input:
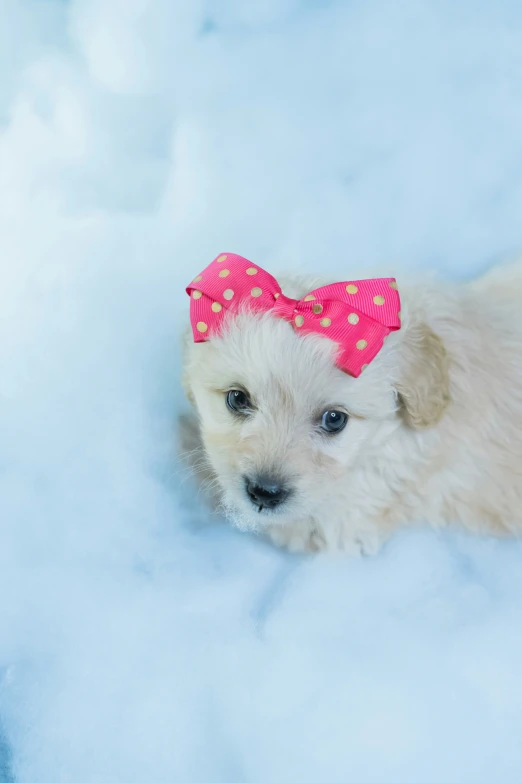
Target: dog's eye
x,y
238,402
334,421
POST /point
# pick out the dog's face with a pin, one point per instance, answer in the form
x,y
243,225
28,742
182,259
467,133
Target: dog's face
x,y
284,429
281,424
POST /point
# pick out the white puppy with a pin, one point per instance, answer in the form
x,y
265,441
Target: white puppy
x,y
431,430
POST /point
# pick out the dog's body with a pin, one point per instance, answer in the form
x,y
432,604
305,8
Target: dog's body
x,y
435,427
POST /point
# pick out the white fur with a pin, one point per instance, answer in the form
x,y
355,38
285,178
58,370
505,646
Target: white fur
x,y
435,432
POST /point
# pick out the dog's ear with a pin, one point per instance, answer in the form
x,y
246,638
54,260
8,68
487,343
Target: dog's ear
x,y
185,375
424,385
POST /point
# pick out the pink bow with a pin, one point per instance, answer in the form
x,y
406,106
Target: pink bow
x,y
356,314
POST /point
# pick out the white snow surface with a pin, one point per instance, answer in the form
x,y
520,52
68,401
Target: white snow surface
x,y
140,638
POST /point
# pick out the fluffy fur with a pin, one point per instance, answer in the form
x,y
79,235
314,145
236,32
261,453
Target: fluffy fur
x,y
435,428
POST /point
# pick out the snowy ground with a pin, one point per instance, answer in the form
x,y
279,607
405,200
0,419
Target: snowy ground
x,y
139,640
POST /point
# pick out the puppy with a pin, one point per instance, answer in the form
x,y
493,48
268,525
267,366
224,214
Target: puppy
x,y
431,430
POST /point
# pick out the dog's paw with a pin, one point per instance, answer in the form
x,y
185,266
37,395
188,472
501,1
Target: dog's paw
x,y
361,542
364,544
303,537
297,538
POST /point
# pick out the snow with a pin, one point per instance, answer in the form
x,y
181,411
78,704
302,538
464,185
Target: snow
x,y
141,639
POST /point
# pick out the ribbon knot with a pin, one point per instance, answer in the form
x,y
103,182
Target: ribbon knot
x,y
355,314
286,308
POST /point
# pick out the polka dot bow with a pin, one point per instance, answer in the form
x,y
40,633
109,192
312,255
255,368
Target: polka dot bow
x,y
356,314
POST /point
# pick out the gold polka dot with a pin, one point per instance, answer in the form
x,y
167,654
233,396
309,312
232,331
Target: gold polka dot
x,y
196,294
317,308
224,273
325,321
352,289
363,368
309,298
201,326
379,300
216,307
197,279
361,345
400,315
220,259
256,292
394,285
299,320
228,294
251,271
353,318
276,296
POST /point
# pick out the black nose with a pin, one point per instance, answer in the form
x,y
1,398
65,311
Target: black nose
x,y
265,492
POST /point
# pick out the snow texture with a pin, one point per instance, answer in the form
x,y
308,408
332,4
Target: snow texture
x,y
141,639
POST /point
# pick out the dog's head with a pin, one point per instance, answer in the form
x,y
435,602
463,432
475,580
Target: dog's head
x,y
282,425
